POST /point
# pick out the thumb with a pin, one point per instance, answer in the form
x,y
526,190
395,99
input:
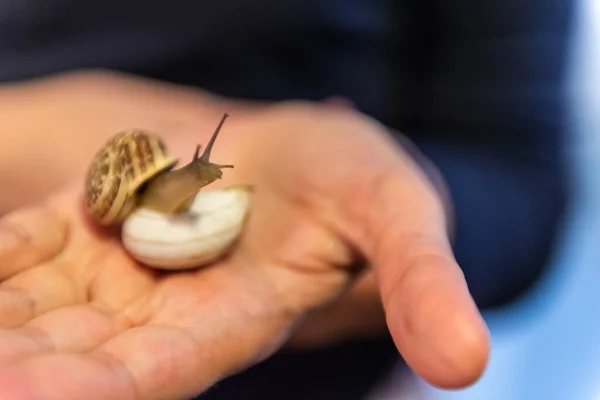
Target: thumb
x,y
430,313
363,186
378,199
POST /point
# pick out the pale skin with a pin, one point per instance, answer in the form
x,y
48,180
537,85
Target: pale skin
x,y
78,314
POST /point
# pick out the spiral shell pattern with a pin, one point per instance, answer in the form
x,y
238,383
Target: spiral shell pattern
x,y
125,163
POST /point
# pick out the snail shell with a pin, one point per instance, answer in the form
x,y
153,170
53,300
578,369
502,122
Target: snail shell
x,y
194,238
127,161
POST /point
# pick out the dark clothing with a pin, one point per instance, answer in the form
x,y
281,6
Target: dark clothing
x,y
476,84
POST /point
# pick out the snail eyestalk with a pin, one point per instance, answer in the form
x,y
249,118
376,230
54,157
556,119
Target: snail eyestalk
x,y
201,160
206,155
198,147
204,169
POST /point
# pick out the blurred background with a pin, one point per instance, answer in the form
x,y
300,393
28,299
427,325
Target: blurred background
x,y
547,345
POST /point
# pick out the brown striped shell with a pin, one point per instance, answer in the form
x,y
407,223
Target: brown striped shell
x,y
127,161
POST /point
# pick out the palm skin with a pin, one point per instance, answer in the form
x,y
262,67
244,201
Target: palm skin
x,y
81,319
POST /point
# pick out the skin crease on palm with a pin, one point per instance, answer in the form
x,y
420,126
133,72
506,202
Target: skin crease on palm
x,y
80,319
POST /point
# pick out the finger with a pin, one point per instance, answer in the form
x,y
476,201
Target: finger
x,y
67,377
142,363
377,199
71,329
16,307
75,329
22,342
430,313
36,291
29,237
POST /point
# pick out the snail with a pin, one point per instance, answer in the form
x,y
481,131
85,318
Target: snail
x,y
166,222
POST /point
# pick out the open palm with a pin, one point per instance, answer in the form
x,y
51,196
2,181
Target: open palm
x,y
81,319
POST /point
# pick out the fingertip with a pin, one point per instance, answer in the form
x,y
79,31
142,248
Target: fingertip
x,y
466,358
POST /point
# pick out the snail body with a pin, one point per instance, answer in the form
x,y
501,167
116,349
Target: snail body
x,y
165,222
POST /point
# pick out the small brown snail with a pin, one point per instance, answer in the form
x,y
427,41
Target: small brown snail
x,y
166,222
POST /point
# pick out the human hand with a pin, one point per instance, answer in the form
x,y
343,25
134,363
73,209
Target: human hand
x,y
46,118
332,190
